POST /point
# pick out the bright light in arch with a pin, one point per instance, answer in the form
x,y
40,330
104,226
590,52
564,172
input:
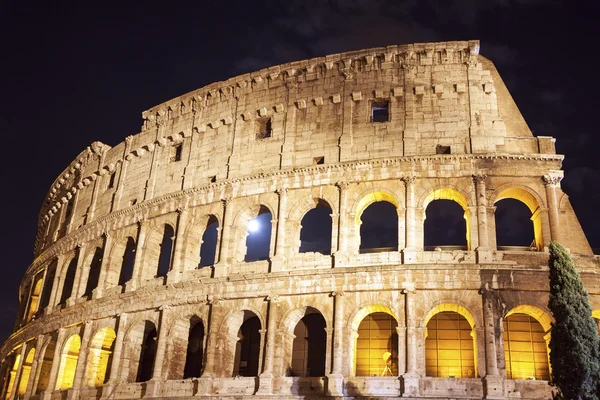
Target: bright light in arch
x,y
253,226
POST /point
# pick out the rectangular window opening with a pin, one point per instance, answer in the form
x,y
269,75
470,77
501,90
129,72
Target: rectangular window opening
x,y
176,153
213,179
319,160
263,128
111,181
380,111
439,149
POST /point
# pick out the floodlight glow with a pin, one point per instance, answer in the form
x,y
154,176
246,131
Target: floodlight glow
x,y
253,226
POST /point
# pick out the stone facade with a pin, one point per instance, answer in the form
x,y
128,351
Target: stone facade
x,y
283,141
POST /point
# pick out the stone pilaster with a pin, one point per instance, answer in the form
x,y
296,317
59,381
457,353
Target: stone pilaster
x,y
278,262
139,257
266,377
176,271
411,376
154,385
335,380
108,243
115,377
60,338
551,183
409,254
226,241
341,253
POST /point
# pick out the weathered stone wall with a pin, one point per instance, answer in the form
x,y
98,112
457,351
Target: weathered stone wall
x,y
323,149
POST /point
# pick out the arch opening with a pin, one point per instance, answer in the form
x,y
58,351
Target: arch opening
x,y
128,258
376,345
309,346
194,359
165,252
258,241
316,228
94,272
69,281
208,248
450,346
379,227
247,349
12,375
68,363
510,211
525,348
46,365
34,297
25,372
48,283
100,357
147,351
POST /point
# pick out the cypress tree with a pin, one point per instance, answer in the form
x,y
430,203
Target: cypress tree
x,y
574,343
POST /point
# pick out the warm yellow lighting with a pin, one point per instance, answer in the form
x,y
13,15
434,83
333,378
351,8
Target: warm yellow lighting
x,y
376,344
454,195
34,299
534,206
371,198
101,348
12,376
525,348
68,363
25,372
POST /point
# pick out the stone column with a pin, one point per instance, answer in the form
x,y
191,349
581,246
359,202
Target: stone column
x,y
17,378
221,266
139,257
116,203
33,372
115,377
56,284
108,242
411,376
341,255
176,271
155,383
81,275
551,183
410,251
336,379
493,383
78,384
266,377
278,262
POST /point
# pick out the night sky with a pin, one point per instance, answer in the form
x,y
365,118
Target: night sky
x,y
73,74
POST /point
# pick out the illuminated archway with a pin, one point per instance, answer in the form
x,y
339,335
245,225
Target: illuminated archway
x,y
453,195
68,363
374,336
46,365
532,202
100,357
526,338
34,298
12,375
450,342
25,372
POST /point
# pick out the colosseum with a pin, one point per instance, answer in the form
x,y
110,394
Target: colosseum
x,y
150,277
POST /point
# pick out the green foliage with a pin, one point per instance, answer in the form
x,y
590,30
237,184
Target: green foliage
x,y
574,343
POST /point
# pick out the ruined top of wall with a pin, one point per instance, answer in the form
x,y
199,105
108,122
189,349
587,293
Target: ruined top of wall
x,y
440,98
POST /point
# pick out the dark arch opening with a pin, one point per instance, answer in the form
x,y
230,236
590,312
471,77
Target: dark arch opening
x,y
48,283
309,347
247,349
315,234
379,228
445,225
94,274
166,250
258,242
195,351
127,262
147,353
514,226
208,249
69,280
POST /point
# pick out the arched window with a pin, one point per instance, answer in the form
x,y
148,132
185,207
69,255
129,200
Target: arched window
x,y
247,350
379,228
525,349
12,375
208,249
46,365
377,346
69,281
308,350
449,346
315,234
166,250
126,271
48,282
25,373
32,307
258,241
147,352
195,351
68,363
94,273
100,357
514,226
445,225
